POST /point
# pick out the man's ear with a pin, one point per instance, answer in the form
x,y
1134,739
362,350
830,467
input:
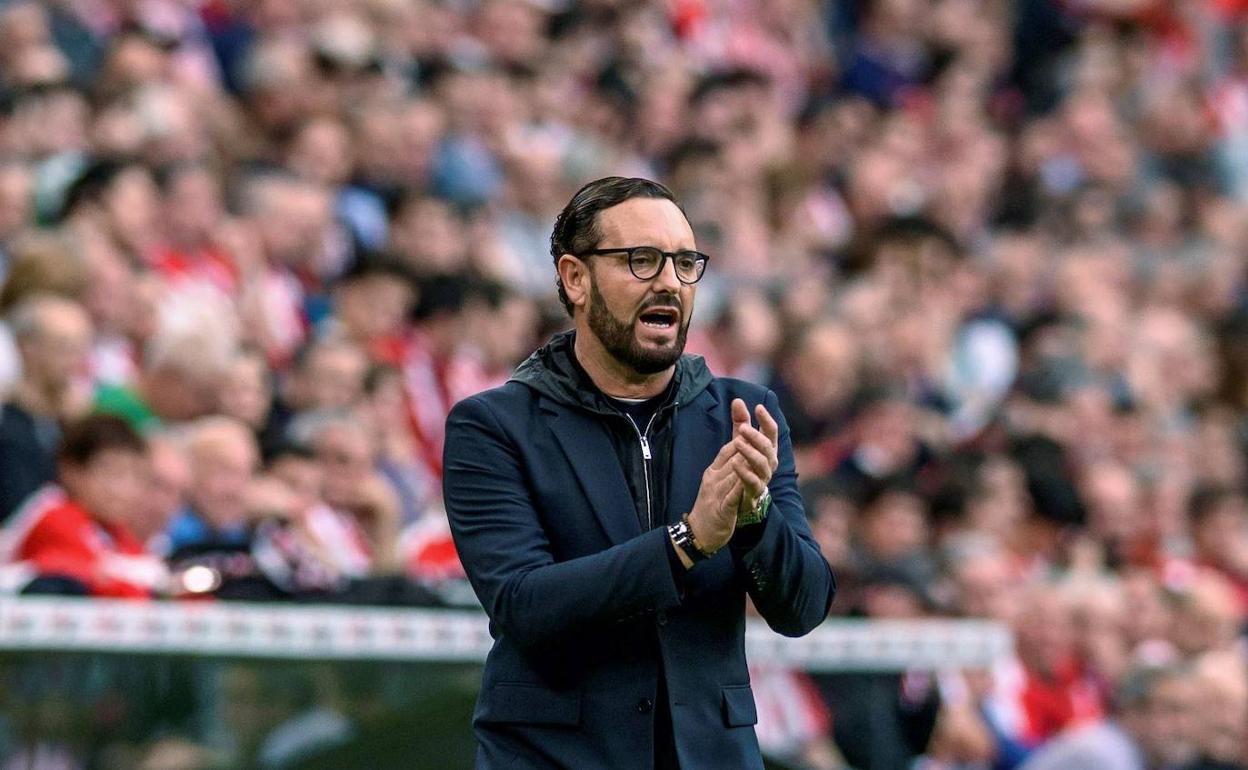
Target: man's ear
x,y
576,277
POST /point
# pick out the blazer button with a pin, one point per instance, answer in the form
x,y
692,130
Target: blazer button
x,y
662,617
645,706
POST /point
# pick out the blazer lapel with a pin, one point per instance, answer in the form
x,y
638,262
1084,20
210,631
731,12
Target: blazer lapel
x,y
699,435
587,444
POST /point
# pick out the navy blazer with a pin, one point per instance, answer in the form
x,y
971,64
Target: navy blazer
x,y
576,592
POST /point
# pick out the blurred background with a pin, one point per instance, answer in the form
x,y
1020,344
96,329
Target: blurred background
x,y
989,253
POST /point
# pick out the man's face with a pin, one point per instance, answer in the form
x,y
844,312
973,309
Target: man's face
x,y
618,300
221,471
109,485
168,478
1167,731
58,351
335,377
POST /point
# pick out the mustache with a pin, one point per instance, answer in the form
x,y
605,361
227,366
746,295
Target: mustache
x,y
664,301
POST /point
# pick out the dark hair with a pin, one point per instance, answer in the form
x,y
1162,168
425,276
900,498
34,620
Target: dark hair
x,y
92,185
576,230
440,295
1206,499
728,80
904,230
377,263
284,448
97,433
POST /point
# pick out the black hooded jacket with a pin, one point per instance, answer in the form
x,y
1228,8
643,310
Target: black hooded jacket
x,y
554,372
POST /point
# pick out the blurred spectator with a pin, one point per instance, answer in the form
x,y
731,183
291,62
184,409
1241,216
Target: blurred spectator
x,y
1154,728
372,302
362,521
1053,689
76,538
184,365
1219,521
247,394
223,458
53,337
327,375
169,478
817,379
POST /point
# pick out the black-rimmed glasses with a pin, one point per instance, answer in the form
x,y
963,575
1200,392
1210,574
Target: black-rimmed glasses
x,y
645,262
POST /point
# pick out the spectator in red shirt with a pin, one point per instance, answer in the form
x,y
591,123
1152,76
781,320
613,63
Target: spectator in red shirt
x,y
76,538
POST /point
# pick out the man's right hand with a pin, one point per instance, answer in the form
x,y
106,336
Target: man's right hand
x,y
714,514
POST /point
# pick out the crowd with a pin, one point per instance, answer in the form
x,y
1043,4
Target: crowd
x,y
989,254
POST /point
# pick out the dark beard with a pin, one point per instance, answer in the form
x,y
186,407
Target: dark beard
x,y
620,340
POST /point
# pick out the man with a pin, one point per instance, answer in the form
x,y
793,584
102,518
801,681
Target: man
x,y
613,505
184,366
1154,727
77,537
53,337
223,459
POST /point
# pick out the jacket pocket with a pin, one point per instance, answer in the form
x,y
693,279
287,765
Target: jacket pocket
x,y
739,710
521,703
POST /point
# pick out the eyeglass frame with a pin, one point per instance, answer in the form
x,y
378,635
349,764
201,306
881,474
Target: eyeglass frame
x,y
664,256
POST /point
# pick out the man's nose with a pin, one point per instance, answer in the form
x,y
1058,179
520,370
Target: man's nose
x,y
666,277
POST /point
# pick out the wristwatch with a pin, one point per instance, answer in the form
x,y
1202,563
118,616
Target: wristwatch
x,y
758,512
682,535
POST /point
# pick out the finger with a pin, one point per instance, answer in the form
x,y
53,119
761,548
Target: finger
x,y
732,497
740,414
726,451
768,424
729,491
758,459
753,483
757,439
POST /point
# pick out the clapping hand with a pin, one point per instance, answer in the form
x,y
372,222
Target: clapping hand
x,y
755,456
736,479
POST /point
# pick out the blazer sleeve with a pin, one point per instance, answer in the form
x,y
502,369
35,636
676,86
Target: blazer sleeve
x,y
529,596
789,580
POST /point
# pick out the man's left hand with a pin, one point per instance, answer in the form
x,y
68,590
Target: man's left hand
x,y
756,456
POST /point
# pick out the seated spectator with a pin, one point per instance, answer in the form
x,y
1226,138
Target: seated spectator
x,y
1051,689
184,366
247,396
364,505
223,458
168,478
328,374
76,537
816,381
1219,520
893,532
1152,728
372,301
53,338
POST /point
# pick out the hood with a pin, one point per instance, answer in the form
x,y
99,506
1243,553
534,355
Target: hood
x,y
554,372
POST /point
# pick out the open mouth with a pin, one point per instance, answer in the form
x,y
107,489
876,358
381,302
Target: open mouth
x,y
659,318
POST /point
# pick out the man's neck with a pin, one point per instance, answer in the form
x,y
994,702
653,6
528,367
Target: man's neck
x,y
612,377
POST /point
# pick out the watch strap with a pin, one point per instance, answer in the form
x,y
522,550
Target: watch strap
x,y
757,513
682,535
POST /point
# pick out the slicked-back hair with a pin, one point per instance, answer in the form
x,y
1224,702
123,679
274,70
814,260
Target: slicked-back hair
x,y
577,231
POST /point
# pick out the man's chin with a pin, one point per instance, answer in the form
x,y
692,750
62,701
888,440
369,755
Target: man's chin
x,y
654,357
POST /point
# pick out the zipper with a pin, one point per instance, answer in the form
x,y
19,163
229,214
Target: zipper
x,y
643,438
646,456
